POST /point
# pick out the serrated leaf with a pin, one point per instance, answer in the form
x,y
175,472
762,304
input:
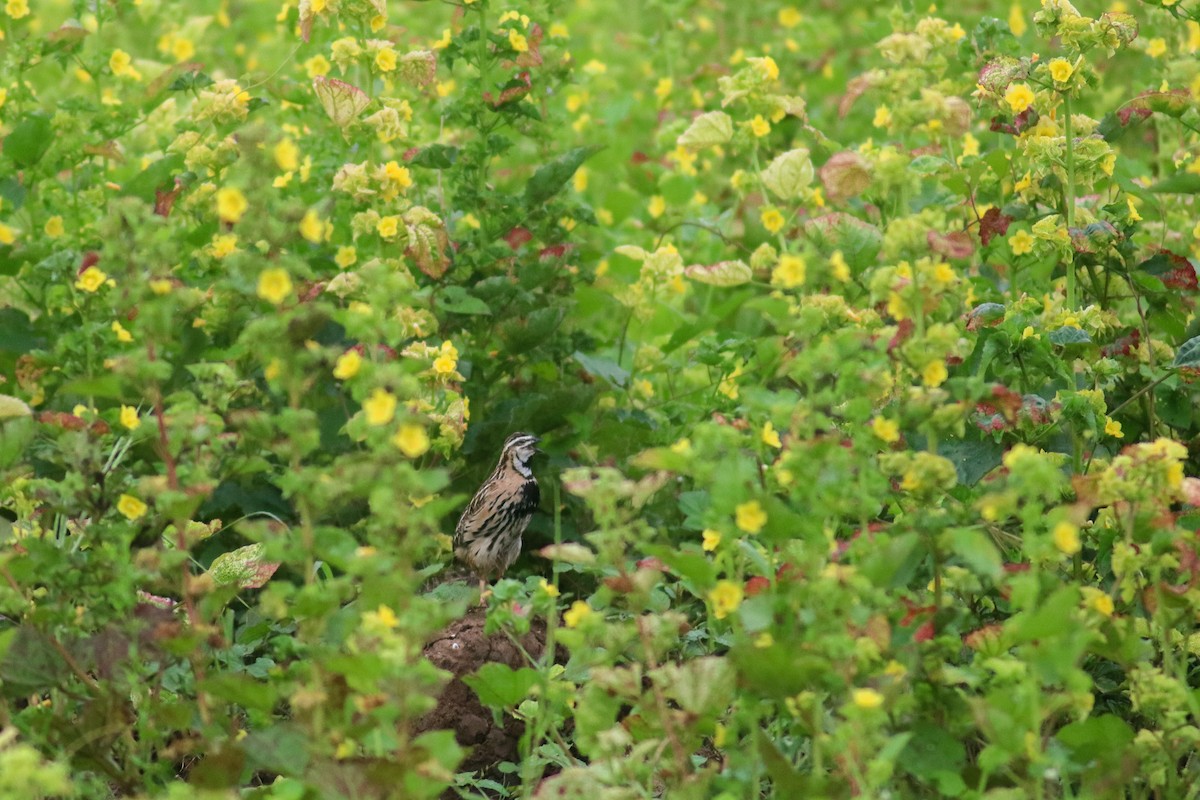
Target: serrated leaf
x,y
501,686
437,156
707,130
552,176
1188,354
244,568
723,273
789,174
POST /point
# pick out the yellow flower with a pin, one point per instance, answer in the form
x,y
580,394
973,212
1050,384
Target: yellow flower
x,y
1066,538
119,62
1098,601
772,219
662,90
770,436
412,440
789,17
385,60
287,155
316,66
576,614
231,204
1016,19
866,699
122,334
1156,47
970,145
1019,97
312,227
380,620
790,272
517,41
380,407
1021,243
91,279
886,429
764,640
710,539
17,8
7,234
934,374
347,366
444,364
549,588
759,126
839,267
1113,428
346,257
725,597
1061,70
388,226
750,517
131,507
54,227
1134,216
883,117
224,244
274,285
129,418
657,206
558,31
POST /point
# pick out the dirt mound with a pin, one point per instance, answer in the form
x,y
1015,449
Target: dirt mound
x,y
461,649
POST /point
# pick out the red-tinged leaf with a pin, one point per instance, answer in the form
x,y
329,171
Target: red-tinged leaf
x,y
244,568
757,585
1016,569
90,259
956,244
514,90
985,315
845,175
904,331
555,251
652,563
165,201
1124,346
1129,112
1026,119
343,102
517,237
723,273
925,632
533,56
993,223
978,638
914,612
61,419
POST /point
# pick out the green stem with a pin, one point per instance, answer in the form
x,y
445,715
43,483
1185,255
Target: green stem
x,y
1069,199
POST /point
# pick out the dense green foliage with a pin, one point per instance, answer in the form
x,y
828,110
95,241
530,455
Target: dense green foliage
x,y
861,340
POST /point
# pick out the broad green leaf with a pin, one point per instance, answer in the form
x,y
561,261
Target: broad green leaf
x,y
1068,335
789,174
611,371
702,685
158,175
1179,183
932,750
501,686
724,273
244,568
436,156
552,176
1188,354
707,130
456,300
978,551
29,140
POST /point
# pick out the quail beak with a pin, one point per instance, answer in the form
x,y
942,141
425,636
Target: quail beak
x,y
537,450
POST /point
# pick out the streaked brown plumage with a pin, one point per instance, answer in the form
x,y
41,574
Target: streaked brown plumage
x,y
488,535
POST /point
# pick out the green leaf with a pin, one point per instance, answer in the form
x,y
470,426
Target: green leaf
x,y
1179,183
1188,354
707,130
789,174
457,300
241,689
978,551
282,749
436,156
1068,335
13,407
610,371
698,686
723,273
552,176
932,750
501,686
972,458
159,175
12,193
190,81
786,779
1102,738
29,140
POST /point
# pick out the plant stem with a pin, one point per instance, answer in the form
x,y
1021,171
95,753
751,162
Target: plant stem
x,y
1069,199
